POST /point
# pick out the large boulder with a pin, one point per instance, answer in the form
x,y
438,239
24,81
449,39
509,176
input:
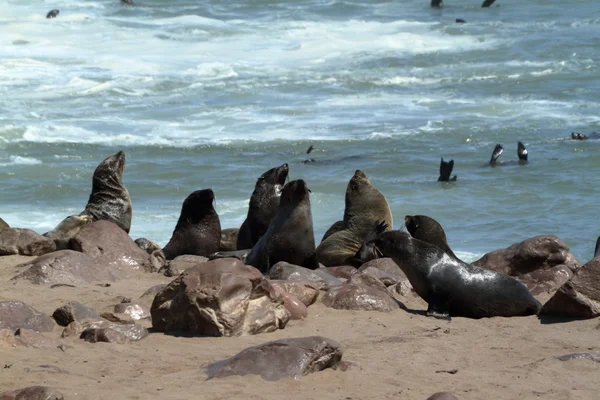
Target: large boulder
x,y
306,292
24,242
222,297
112,246
181,263
290,272
281,359
352,296
15,315
27,338
65,267
384,269
579,297
342,272
32,393
73,311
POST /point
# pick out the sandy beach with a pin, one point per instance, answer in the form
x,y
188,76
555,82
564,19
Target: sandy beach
x,y
401,354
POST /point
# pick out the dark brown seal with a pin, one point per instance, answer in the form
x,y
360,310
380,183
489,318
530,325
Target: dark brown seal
x,y
365,205
3,224
263,206
110,199
290,236
67,229
428,230
452,287
198,230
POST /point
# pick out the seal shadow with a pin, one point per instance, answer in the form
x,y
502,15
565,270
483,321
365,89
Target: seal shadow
x,y
552,319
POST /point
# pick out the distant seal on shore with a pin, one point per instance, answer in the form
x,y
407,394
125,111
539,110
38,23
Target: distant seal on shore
x,y
67,229
110,199
364,206
428,230
263,206
446,170
52,13
522,154
452,287
3,224
198,230
290,236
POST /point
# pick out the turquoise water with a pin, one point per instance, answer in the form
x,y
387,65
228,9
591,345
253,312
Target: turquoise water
x,y
211,94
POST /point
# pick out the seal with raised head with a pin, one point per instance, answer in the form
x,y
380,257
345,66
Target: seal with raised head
x,y
454,288
67,229
198,230
364,206
446,170
263,206
428,230
290,236
110,199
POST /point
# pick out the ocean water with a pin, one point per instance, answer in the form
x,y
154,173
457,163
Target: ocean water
x,y
210,94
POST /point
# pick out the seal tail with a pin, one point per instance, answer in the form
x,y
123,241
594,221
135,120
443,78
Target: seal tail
x,y
446,170
498,150
522,152
487,3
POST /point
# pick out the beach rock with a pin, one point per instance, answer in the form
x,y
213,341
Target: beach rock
x,y
341,272
147,298
282,358
295,307
352,296
290,272
95,335
3,224
593,356
133,331
229,239
181,263
222,297
539,252
442,396
402,289
65,267
306,292
578,298
111,246
368,280
73,311
133,310
32,393
384,269
24,242
26,338
15,315
546,281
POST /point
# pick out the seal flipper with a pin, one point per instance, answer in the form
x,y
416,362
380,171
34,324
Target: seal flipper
x,y
438,307
522,152
368,251
498,150
487,3
446,170
597,250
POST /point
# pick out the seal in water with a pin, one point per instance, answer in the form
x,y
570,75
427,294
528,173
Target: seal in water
x,y
437,4
487,3
452,287
263,206
198,230
597,249
446,171
67,229
290,236
522,153
52,13
581,136
498,150
128,2
364,206
460,21
110,199
428,230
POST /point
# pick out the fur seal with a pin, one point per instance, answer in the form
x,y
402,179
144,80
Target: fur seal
x,y
460,21
157,256
446,171
3,224
263,206
110,199
428,230
522,153
198,230
290,236
364,206
596,250
67,229
581,136
452,287
52,13
437,4
487,3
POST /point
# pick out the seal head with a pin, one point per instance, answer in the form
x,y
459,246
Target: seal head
x,y
428,230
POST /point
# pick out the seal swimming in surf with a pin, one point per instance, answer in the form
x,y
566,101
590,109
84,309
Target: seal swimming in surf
x,y
263,206
581,136
290,236
52,14
487,3
364,206
454,288
437,4
446,170
110,199
67,229
522,154
198,230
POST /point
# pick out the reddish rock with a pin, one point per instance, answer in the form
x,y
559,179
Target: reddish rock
x,y
359,297
181,263
296,308
24,242
15,315
222,297
368,280
281,359
290,272
32,393
306,292
341,272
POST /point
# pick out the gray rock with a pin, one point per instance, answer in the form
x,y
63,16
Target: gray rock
x,y
147,298
384,269
107,335
359,297
133,310
222,297
73,311
306,292
442,396
32,393
181,263
290,272
24,242
593,356
15,315
133,331
280,359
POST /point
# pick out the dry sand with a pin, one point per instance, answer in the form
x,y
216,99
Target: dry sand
x,y
402,355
